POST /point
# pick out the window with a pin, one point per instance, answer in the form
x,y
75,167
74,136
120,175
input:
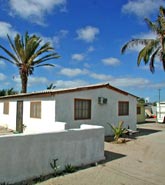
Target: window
x,y
123,108
35,109
82,109
138,110
6,108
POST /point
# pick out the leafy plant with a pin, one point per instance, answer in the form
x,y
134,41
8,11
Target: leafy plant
x,y
69,168
117,130
152,47
55,167
27,53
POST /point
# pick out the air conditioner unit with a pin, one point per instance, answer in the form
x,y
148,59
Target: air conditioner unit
x,y
102,100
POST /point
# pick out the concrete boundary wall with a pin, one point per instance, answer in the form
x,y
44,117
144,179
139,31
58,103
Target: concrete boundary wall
x,y
26,156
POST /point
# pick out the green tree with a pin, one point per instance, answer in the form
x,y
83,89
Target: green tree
x,y
152,47
28,53
10,91
141,100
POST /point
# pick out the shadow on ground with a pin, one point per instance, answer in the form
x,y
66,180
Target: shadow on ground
x,y
110,156
146,131
141,132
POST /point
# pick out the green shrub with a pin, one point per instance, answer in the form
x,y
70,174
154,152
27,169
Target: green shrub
x,y
69,168
117,130
55,167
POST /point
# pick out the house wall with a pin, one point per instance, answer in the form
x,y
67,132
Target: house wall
x,y
58,111
101,114
32,125
141,117
29,155
8,120
161,112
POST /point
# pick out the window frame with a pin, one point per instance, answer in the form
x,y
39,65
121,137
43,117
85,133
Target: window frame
x,y
122,111
34,109
81,115
6,107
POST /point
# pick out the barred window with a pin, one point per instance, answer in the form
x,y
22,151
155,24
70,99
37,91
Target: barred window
x,y
82,109
35,109
6,107
123,107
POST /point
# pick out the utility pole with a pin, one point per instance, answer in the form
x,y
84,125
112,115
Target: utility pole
x,y
159,104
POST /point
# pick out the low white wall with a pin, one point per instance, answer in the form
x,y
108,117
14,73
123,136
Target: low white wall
x,y
25,156
46,127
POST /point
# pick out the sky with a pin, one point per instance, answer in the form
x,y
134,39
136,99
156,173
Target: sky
x,y
88,35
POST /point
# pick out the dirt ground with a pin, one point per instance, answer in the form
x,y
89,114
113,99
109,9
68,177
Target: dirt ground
x,y
139,161
5,131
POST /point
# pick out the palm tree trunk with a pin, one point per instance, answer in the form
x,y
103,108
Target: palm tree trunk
x,y
24,80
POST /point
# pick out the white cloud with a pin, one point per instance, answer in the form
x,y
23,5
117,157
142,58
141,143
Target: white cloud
x,y
2,77
86,65
122,82
130,82
32,81
101,77
35,10
37,81
6,28
60,35
69,83
87,34
111,61
142,8
56,39
73,72
2,64
90,49
78,56
157,85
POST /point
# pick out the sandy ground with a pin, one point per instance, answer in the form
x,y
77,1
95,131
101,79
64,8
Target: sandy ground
x,y
139,161
5,131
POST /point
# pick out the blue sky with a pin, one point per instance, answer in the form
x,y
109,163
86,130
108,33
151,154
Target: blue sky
x,y
88,35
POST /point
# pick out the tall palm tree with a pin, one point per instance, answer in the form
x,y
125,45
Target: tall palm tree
x,y
152,47
28,53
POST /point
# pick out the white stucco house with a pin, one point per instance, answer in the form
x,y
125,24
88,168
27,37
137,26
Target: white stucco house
x,y
69,108
160,111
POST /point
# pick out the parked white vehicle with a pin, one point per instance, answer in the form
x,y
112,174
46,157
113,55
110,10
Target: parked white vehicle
x,y
161,112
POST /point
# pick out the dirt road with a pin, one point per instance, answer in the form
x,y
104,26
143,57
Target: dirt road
x,y
139,161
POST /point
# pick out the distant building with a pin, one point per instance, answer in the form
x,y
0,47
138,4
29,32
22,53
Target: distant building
x,y
161,112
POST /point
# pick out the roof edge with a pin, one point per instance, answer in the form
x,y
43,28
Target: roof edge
x,y
68,90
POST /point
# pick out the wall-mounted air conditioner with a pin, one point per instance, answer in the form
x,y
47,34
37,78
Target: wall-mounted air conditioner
x,y
102,100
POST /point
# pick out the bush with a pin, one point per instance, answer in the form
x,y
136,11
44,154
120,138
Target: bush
x,y
117,130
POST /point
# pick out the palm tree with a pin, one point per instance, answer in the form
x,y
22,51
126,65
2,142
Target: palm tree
x,y
51,86
152,47
28,53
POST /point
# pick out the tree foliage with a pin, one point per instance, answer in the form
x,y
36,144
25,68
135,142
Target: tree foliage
x,y
5,92
152,47
27,53
51,86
